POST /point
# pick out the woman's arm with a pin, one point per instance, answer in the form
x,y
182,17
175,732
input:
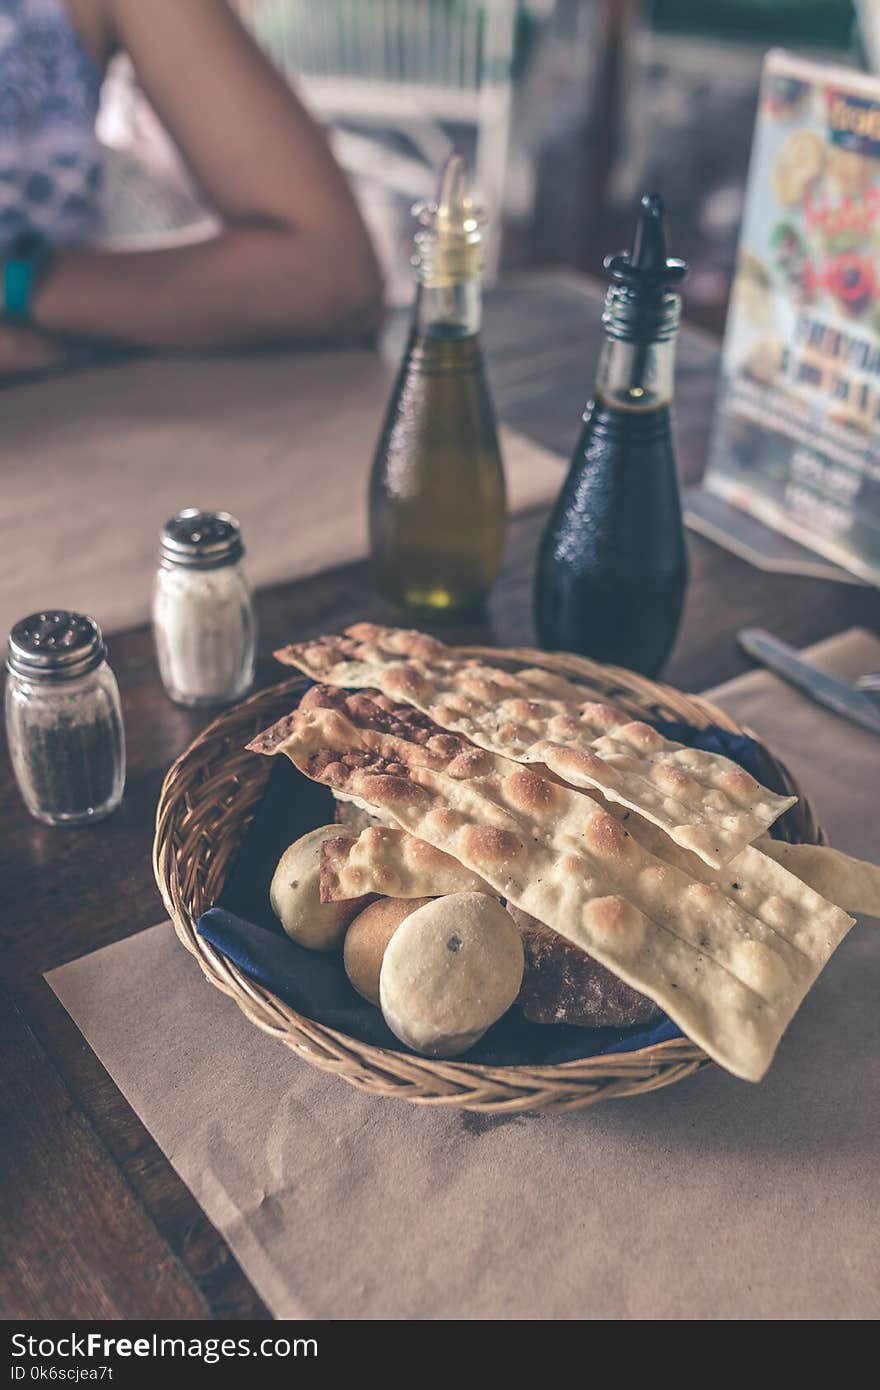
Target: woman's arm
x,y
293,258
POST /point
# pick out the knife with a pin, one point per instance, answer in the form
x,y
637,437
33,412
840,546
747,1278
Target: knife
x,y
836,694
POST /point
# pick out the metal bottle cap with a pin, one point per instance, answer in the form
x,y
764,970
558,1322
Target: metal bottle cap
x,y
55,645
201,540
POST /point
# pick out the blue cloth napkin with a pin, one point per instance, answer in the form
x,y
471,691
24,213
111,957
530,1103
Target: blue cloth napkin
x,y
244,928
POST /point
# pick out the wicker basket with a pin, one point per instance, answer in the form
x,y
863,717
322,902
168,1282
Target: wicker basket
x,y
207,801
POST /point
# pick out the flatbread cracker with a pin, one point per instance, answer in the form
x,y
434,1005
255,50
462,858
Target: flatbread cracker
x,y
758,879
401,866
705,802
758,883
730,980
852,883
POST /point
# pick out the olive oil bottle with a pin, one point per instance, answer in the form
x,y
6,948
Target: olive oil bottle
x,y
612,565
437,497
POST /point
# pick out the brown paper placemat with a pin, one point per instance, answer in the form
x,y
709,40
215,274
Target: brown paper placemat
x,y
712,1199
92,464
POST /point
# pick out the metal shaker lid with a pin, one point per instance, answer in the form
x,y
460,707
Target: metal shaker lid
x,y
201,540
55,645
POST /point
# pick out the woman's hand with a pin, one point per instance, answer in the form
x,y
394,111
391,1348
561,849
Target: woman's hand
x,y
24,349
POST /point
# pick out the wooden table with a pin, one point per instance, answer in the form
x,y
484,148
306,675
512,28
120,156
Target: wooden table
x,y
99,1224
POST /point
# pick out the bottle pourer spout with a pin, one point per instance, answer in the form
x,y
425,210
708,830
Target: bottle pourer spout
x,y
449,242
453,192
646,266
453,212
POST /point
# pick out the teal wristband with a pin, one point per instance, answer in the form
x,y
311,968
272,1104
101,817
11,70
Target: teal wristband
x,y
20,274
18,281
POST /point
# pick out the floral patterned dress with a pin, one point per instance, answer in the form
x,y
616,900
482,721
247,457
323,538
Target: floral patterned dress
x,y
50,159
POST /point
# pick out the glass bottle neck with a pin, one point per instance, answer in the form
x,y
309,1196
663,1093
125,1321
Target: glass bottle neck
x,y
636,376
448,311
637,362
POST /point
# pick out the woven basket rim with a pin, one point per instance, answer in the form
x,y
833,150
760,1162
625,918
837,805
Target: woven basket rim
x,y
383,1070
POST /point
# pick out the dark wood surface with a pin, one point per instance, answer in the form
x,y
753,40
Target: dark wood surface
x,y
95,1221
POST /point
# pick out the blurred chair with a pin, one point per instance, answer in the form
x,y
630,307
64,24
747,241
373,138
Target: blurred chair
x,y
412,66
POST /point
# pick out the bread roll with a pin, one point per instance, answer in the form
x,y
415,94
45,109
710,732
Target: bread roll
x,y
367,937
295,899
563,984
450,970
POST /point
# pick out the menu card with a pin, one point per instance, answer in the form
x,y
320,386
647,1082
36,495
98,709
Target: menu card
x,y
796,441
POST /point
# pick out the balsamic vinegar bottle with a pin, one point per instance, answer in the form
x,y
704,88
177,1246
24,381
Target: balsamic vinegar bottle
x,y
437,497
612,565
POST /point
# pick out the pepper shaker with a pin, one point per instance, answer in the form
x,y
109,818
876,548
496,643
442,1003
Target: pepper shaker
x,y
64,719
203,617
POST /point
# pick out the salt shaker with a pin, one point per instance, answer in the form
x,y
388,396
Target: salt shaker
x,y
64,719
203,617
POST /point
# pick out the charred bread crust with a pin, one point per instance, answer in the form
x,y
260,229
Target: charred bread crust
x,y
563,984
